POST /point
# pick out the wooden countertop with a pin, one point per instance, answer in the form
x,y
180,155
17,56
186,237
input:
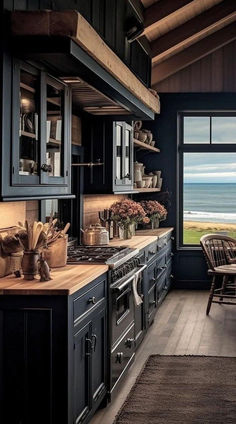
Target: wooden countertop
x,y
136,242
142,238
69,279
66,281
158,233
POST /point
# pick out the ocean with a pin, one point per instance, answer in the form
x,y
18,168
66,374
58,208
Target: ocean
x,y
210,202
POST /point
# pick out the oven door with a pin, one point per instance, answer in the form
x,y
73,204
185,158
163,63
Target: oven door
x,y
123,302
122,309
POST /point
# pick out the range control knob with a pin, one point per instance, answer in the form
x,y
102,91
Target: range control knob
x,y
119,357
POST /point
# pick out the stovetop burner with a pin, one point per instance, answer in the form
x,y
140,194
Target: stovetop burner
x,y
110,255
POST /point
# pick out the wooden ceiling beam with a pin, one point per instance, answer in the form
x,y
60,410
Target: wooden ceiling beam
x,y
193,53
160,11
220,15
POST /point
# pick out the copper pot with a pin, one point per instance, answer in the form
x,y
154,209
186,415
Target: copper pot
x,y
95,235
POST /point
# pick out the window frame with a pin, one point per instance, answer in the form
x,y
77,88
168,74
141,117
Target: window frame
x,y
194,148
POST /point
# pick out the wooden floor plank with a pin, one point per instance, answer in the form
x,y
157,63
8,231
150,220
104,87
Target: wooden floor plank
x,y
180,327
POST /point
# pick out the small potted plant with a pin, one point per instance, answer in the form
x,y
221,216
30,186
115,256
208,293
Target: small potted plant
x,y
154,211
127,214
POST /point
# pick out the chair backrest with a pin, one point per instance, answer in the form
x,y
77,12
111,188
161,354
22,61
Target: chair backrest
x,y
218,249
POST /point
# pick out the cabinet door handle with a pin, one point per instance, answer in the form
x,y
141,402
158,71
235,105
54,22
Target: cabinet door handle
x,y
92,300
46,168
89,347
94,342
119,357
129,343
127,176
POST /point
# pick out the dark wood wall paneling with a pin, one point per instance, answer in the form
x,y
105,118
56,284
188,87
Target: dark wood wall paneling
x,y
108,17
214,73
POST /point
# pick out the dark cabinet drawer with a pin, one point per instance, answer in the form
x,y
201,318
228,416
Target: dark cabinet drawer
x,y
152,303
151,251
164,241
160,264
122,355
160,285
87,301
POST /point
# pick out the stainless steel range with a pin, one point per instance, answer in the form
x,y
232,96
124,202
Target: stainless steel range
x,y
112,256
125,307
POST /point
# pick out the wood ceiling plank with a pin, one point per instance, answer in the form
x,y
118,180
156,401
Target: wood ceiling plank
x,y
222,13
193,53
161,10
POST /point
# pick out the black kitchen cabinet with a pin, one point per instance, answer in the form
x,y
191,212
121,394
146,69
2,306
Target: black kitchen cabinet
x,y
110,143
53,356
90,364
157,276
37,158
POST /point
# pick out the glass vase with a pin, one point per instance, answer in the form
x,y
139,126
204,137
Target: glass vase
x,y
155,222
126,231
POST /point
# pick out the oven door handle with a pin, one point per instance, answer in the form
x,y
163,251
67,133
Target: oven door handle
x,y
122,285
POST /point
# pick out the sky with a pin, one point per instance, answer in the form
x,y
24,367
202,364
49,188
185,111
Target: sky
x,y
210,167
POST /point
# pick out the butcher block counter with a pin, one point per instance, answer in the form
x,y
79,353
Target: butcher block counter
x,y
136,242
65,281
157,233
142,238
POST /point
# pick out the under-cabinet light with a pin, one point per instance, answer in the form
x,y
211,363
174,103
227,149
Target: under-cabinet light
x,y
71,80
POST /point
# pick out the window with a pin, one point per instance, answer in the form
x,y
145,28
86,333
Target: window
x,y
207,171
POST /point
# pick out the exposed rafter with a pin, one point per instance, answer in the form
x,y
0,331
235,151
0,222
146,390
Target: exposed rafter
x,y
161,10
193,53
204,24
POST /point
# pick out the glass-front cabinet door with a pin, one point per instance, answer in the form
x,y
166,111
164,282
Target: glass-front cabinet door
x,y
123,156
55,125
26,131
41,139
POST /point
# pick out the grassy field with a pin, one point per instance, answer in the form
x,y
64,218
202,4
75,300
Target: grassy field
x,y
194,230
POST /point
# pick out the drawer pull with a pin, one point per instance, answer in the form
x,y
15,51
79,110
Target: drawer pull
x,y
94,342
119,357
153,302
129,343
92,300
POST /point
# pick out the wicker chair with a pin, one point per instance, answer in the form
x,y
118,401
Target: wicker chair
x,y
220,255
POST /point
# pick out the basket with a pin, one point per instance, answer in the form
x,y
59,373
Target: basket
x,y
56,253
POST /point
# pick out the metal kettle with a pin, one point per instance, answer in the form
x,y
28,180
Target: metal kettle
x,y
95,235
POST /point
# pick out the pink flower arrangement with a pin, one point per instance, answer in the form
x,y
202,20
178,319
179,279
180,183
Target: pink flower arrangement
x,y
154,209
127,212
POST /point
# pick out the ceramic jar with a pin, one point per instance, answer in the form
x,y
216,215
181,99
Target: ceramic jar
x,y
138,171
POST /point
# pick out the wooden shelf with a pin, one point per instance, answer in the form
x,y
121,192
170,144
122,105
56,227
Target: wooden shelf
x,y
145,146
28,134
27,87
54,141
147,190
54,101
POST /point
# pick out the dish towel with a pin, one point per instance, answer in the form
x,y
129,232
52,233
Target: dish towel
x,y
137,298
